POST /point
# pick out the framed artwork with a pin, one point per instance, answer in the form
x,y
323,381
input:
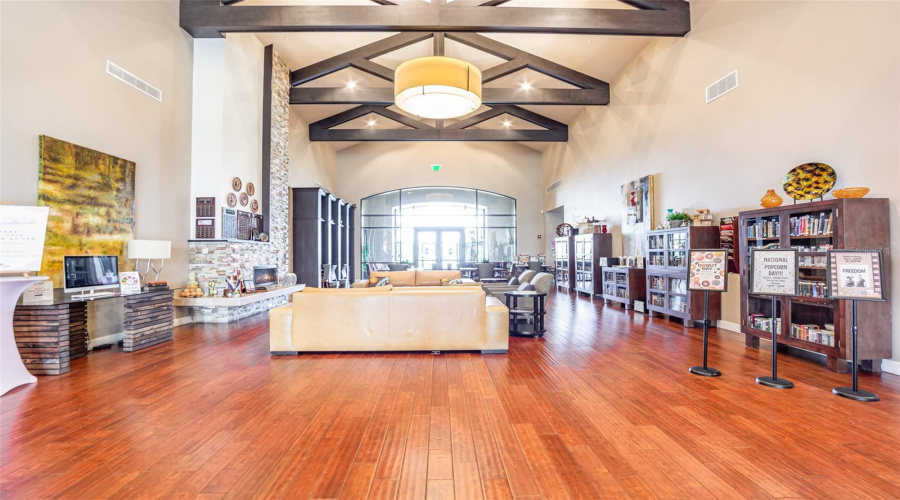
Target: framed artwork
x,y
708,270
91,199
855,275
774,271
637,214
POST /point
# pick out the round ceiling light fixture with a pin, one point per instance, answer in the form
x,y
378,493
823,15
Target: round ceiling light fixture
x,y
437,87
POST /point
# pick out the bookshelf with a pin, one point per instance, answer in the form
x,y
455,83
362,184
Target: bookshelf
x,y
815,323
589,248
667,273
323,231
564,253
624,285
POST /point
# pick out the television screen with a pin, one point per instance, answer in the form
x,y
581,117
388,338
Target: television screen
x,y
94,271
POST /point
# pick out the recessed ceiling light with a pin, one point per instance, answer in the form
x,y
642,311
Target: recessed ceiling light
x,y
526,86
351,84
507,123
371,122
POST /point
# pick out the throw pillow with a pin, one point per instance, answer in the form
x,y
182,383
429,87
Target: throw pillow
x,y
525,287
514,281
384,281
456,281
373,280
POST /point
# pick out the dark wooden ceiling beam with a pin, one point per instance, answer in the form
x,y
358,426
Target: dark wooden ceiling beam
x,y
364,53
476,119
437,134
657,4
384,96
210,19
373,69
493,3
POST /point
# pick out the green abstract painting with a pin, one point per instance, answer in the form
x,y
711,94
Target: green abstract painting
x,y
91,200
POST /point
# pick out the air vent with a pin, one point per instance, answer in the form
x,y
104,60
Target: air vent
x,y
728,83
552,187
120,74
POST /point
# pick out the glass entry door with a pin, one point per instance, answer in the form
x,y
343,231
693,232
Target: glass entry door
x,y
438,248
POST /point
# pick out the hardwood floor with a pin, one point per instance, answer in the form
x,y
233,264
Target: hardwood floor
x,y
602,406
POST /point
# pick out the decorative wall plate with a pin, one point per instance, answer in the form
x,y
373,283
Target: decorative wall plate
x,y
236,184
254,206
244,199
232,200
809,181
251,189
564,229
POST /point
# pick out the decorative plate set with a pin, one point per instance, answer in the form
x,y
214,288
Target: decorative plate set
x,y
232,198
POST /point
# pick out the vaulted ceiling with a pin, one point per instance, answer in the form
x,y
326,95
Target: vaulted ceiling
x,y
534,101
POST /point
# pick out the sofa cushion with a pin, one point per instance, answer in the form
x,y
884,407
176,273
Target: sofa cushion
x,y
433,278
527,276
542,282
398,278
383,281
364,289
514,281
525,287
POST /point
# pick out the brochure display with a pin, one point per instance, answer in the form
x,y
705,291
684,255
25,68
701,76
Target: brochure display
x,y
707,272
855,275
774,272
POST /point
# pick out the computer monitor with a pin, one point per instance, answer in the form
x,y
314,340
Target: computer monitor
x,y
90,272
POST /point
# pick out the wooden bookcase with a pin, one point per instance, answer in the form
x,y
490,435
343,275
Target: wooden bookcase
x,y
667,273
589,248
624,285
323,233
854,224
564,253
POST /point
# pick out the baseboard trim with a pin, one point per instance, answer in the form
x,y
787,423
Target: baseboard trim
x,y
728,325
890,366
107,340
184,320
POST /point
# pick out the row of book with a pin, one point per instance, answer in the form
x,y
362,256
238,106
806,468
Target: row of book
x,y
813,289
764,229
814,333
812,225
764,323
812,261
814,248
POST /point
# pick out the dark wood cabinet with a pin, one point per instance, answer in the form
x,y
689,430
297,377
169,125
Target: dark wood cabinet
x,y
624,285
589,249
323,233
811,321
667,273
564,253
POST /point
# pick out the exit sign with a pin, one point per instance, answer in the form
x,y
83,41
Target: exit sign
x,y
435,167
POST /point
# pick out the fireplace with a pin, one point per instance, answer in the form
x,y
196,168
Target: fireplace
x,y
265,276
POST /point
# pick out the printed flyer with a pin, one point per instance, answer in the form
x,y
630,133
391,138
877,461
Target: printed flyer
x,y
855,275
708,270
774,272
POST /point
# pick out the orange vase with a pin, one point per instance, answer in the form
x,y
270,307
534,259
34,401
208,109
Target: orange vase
x,y
771,200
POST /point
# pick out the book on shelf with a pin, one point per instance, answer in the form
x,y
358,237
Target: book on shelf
x,y
814,248
764,323
813,333
764,229
813,261
812,224
813,289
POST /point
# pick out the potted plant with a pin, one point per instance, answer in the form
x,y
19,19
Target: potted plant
x,y
485,269
678,219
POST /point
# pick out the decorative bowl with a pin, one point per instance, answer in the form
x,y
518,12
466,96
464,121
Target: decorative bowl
x,y
855,192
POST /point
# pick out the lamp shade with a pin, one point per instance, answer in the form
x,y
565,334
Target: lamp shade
x,y
437,87
149,249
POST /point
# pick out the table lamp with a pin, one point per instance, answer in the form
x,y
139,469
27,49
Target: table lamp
x,y
150,250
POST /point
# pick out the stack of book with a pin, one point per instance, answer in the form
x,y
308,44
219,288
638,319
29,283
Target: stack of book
x,y
814,333
812,225
764,229
703,217
812,261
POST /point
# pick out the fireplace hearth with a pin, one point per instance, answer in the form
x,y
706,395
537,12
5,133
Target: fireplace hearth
x,y
265,276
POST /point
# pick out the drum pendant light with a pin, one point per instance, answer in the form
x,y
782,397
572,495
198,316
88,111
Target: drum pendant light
x,y
437,87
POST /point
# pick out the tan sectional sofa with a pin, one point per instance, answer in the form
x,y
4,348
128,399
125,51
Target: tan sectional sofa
x,y
418,277
389,318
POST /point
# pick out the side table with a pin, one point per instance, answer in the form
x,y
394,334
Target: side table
x,y
516,313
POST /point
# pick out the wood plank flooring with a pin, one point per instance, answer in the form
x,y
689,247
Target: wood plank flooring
x,y
602,406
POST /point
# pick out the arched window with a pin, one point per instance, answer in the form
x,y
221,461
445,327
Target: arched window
x,y
437,228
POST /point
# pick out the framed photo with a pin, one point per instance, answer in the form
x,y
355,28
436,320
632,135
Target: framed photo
x,y
129,282
774,271
708,270
855,275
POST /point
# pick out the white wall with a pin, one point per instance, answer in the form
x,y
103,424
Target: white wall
x,y
310,162
55,83
504,168
819,81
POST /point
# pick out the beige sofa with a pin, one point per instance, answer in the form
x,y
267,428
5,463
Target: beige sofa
x,y
417,277
389,319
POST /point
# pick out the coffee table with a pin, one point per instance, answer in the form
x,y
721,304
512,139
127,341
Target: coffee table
x,y
516,313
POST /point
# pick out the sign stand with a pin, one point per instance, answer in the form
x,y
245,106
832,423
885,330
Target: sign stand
x,y
707,271
855,275
705,370
774,381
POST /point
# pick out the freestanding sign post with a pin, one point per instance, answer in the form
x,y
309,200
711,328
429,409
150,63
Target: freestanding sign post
x,y
707,272
774,272
855,275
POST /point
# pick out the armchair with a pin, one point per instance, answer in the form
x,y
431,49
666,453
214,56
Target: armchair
x,y
542,282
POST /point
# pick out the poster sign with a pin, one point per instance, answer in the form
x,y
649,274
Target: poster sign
x,y
708,270
774,271
22,232
39,293
855,275
130,282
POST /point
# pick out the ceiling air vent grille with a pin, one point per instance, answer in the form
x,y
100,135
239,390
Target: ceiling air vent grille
x,y
120,74
554,186
728,83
